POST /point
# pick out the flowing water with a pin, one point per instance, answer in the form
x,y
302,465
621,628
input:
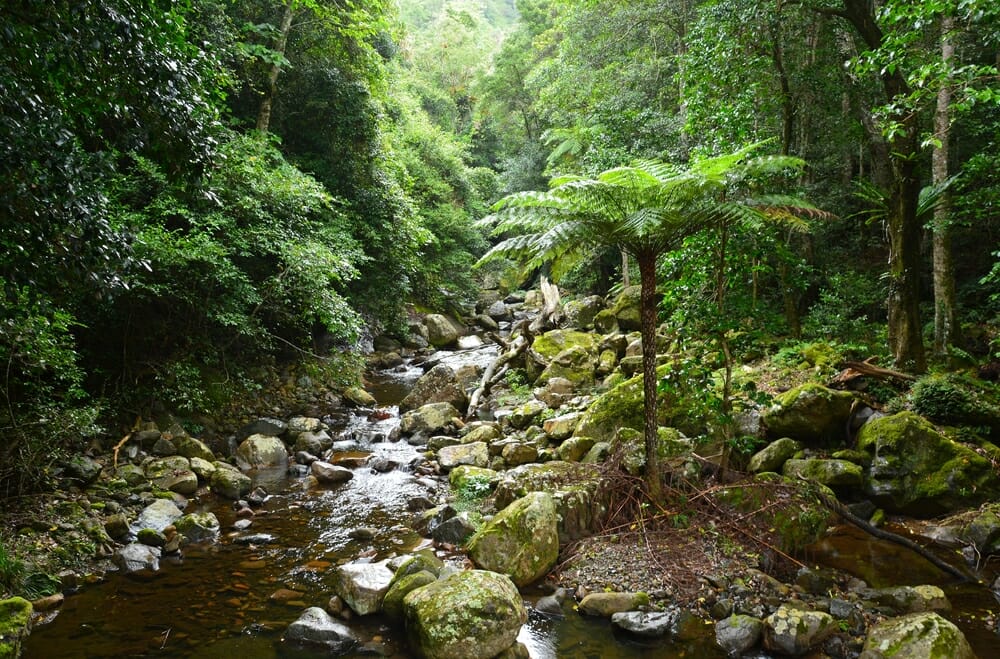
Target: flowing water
x,y
234,598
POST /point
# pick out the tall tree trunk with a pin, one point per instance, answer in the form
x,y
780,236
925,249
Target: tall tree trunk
x,y
626,275
905,340
264,114
648,308
946,328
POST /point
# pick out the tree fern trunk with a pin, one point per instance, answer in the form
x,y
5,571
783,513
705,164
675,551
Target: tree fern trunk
x,y
647,276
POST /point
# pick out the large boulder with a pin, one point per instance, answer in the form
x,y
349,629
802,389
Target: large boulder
x,y
916,636
431,418
916,470
576,490
580,313
442,331
627,309
810,413
738,634
261,451
576,364
546,347
521,541
363,585
173,474
472,614
438,385
316,627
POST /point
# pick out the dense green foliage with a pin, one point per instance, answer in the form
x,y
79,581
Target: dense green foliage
x,y
192,191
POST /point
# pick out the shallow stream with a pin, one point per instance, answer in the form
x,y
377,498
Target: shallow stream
x,y
234,598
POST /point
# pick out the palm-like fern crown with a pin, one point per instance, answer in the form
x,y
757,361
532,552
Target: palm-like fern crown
x,y
644,209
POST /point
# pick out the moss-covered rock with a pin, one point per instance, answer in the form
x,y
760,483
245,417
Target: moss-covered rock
x,y
438,385
605,605
626,309
575,488
918,471
462,476
442,331
476,455
810,413
835,474
228,482
431,418
258,451
189,447
545,348
525,414
521,541
198,527
576,364
392,604
917,636
580,313
15,625
472,614
620,407
774,455
792,631
631,445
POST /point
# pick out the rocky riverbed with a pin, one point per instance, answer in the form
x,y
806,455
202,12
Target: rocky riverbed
x,y
515,523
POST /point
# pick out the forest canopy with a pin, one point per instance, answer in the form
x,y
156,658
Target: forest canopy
x,y
189,191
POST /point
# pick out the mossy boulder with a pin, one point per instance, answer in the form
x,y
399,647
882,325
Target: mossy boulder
x,y
189,447
521,541
983,529
620,407
918,471
576,364
605,605
631,445
261,451
464,476
774,455
472,614
476,454
917,636
627,309
810,413
546,347
525,414
198,527
15,625
442,331
835,474
431,418
580,313
392,604
229,482
575,488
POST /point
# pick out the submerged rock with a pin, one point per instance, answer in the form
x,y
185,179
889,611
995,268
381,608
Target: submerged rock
x,y
472,614
135,556
651,624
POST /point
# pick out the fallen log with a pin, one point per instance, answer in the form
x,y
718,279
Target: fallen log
x,y
854,370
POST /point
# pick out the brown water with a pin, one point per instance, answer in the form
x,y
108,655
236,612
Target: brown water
x,y
884,564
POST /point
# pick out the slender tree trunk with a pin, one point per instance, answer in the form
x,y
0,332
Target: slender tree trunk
x,y
946,327
264,114
648,308
626,275
900,158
